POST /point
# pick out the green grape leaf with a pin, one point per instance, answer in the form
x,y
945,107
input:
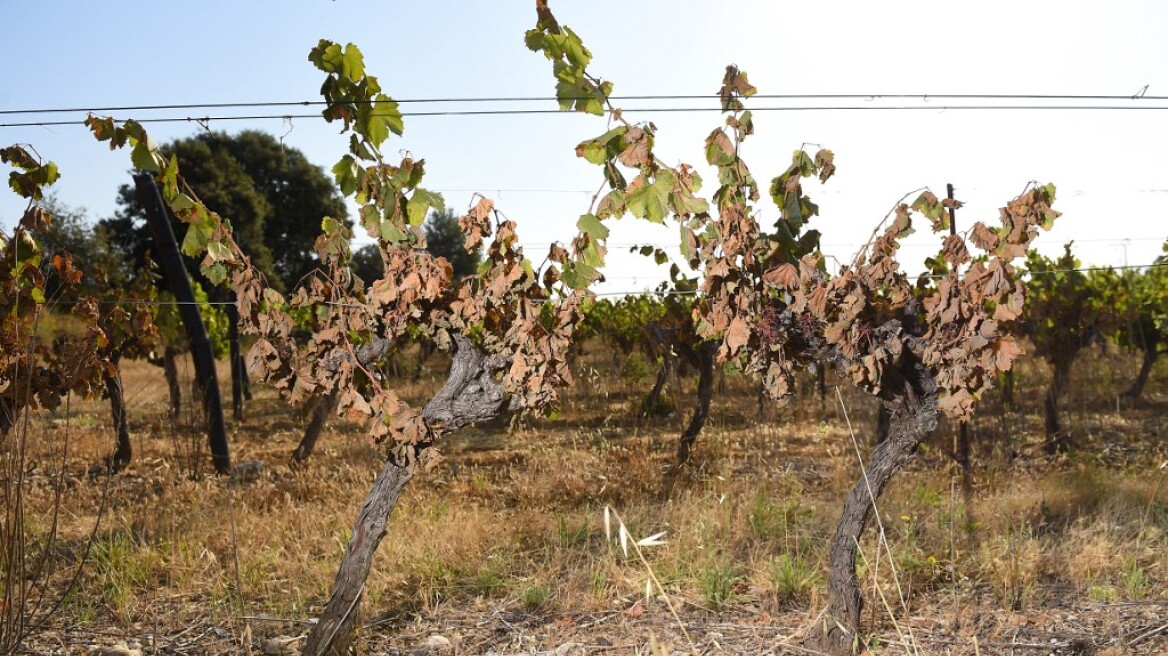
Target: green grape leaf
x,y
420,203
347,173
216,273
651,201
590,225
352,63
181,203
197,238
602,148
327,56
592,254
218,251
385,114
578,275
143,157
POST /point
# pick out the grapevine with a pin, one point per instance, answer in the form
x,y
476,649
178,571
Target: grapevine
x,y
768,301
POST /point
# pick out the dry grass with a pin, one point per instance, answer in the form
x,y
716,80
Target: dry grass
x,y
510,525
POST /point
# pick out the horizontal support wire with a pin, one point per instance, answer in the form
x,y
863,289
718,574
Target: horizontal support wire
x,y
205,120
869,97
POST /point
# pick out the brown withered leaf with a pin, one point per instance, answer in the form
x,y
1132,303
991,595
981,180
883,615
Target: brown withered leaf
x,y
551,276
817,301
734,83
63,264
956,403
557,253
737,334
1006,351
329,335
955,252
825,162
785,276
36,218
1012,306
354,406
546,20
638,152
476,224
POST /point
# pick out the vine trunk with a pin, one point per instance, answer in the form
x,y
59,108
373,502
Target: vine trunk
x,y
911,419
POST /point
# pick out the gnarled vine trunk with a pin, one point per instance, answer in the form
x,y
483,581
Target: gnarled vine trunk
x,y
664,338
336,630
1151,354
883,425
169,364
1058,439
470,395
7,417
912,417
124,451
321,409
1006,383
705,363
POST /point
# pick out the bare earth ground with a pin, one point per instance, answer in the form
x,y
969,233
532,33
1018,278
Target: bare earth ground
x,y
503,548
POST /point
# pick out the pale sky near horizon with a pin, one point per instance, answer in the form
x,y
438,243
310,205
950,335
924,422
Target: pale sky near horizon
x,y
1111,167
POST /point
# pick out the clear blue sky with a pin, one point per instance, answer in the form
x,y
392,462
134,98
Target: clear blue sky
x,y
1111,166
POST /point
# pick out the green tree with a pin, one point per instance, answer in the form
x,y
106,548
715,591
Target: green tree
x,y
366,263
445,239
90,246
272,195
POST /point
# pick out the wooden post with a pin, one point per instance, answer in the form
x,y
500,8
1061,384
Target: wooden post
x,y
180,286
964,458
963,447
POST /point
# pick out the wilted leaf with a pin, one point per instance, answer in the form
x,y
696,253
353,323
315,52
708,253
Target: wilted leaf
x,y
737,335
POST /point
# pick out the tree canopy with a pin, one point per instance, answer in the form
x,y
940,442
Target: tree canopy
x,y
272,195
444,238
90,246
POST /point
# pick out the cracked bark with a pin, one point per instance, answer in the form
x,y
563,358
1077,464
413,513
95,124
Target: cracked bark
x,y
911,402
665,340
1151,354
124,451
7,417
321,409
705,364
910,423
169,364
1058,439
470,395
